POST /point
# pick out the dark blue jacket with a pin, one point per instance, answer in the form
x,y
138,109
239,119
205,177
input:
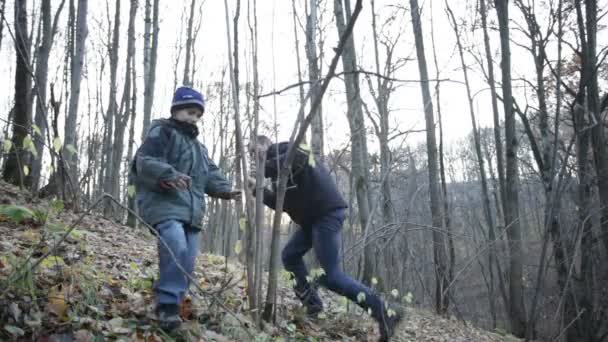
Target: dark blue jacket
x,y
170,149
311,191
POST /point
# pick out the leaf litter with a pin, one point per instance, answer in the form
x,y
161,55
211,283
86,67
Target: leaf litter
x,y
97,286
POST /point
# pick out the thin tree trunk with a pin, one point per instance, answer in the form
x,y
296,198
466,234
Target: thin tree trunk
x,y
485,194
439,246
517,309
2,10
187,81
122,116
240,148
314,74
131,220
71,140
14,171
359,157
495,114
48,32
112,111
150,71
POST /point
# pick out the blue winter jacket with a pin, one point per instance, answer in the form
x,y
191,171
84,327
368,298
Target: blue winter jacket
x,y
311,191
171,148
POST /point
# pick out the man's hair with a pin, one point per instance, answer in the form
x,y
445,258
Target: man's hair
x,y
263,140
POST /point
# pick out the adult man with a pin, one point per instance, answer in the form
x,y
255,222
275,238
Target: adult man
x,y
171,172
315,204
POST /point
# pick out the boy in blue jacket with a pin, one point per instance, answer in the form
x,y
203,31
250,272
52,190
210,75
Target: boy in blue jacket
x,y
313,201
172,172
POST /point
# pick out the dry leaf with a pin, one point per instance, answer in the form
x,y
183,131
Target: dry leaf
x,y
57,304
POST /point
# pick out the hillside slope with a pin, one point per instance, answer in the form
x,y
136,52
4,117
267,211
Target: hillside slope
x,y
96,284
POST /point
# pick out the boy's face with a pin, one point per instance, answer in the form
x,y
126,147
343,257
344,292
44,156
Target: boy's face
x,y
190,115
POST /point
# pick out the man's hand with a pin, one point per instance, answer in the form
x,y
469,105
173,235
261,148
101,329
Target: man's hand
x,y
181,182
231,195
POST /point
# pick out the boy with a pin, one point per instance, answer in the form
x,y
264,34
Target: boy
x,y
315,204
172,171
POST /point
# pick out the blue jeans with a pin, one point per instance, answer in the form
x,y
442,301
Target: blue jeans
x,y
183,242
324,237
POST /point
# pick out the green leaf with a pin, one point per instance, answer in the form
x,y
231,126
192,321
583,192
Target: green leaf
x,y
243,223
26,170
71,148
238,247
395,293
131,190
311,159
36,129
361,297
57,143
52,261
374,281
408,297
390,312
7,145
13,330
28,144
16,213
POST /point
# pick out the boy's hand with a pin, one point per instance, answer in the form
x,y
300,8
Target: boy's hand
x,y
181,182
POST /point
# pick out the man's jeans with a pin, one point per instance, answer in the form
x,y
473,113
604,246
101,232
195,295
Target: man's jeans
x,y
324,237
183,242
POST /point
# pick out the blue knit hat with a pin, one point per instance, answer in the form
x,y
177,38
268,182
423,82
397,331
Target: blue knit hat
x,y
186,97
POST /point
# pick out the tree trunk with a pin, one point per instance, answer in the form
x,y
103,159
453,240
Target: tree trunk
x,y
112,113
122,117
48,32
16,165
71,140
497,135
314,75
240,148
359,157
187,81
517,309
439,246
2,10
131,220
485,193
150,67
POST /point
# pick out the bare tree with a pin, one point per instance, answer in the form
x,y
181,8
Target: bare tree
x,y
189,44
359,156
77,61
485,194
316,131
150,57
439,246
16,167
112,111
40,120
2,10
517,308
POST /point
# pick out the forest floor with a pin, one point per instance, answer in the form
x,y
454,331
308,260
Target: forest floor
x,y
96,284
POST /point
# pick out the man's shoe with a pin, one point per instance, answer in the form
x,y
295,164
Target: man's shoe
x,y
390,320
309,297
168,316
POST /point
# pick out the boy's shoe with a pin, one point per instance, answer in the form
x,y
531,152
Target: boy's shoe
x,y
168,316
388,323
309,297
